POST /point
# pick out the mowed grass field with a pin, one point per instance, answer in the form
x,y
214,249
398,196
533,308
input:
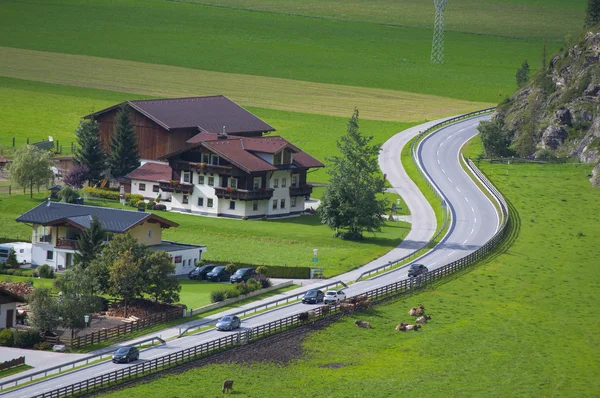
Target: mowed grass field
x,y
521,324
362,54
287,241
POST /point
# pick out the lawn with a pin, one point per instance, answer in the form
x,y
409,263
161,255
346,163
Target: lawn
x,y
277,45
195,294
14,370
288,241
520,324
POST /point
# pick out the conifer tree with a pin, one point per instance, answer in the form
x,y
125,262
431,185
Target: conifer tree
x,y
90,243
592,15
124,156
90,152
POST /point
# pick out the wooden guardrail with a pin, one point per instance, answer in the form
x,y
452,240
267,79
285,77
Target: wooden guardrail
x,y
12,363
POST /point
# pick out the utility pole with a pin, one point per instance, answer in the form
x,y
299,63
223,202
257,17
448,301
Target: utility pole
x,y
437,48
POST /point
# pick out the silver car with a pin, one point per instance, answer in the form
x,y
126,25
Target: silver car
x,y
229,322
334,296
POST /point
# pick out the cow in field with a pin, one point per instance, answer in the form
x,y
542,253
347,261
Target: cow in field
x,y
227,386
403,327
416,311
363,324
423,319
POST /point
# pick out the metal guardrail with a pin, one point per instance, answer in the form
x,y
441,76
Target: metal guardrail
x,y
56,370
446,215
261,307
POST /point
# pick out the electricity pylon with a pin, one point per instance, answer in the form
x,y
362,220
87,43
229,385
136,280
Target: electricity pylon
x,y
437,48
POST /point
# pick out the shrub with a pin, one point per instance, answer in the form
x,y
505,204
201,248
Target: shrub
x,y
262,270
242,288
68,195
6,338
27,339
136,197
217,295
44,345
279,271
229,294
17,272
158,206
102,193
265,283
45,271
253,285
231,268
140,204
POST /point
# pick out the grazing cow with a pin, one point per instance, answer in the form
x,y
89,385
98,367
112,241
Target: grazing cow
x,y
363,324
423,319
325,310
227,386
346,308
305,317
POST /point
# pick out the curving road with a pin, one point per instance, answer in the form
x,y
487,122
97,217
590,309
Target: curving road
x,y
474,222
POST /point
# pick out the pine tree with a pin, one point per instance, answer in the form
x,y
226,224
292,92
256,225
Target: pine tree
x,y
11,260
350,204
124,156
522,75
592,15
90,152
90,243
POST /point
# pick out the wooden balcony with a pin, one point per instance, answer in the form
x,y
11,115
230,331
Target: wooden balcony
x,y
63,243
303,190
201,167
242,194
176,187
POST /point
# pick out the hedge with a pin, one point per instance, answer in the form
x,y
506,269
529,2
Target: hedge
x,y
280,271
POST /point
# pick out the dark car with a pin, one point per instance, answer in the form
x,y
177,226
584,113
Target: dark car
x,y
199,273
417,269
229,322
126,354
242,275
218,274
313,296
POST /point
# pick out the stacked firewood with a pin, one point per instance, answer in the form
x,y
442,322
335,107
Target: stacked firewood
x,y
20,288
139,308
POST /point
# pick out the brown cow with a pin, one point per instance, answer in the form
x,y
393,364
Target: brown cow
x,y
346,308
423,319
227,386
363,324
417,311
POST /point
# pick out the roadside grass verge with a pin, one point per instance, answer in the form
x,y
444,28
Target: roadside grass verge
x,y
497,330
14,370
215,39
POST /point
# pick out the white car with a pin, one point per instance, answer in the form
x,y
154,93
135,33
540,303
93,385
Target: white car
x,y
334,296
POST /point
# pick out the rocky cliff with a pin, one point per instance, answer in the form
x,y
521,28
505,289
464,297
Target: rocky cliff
x,y
558,112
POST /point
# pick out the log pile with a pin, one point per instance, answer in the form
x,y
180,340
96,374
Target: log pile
x,y
20,288
140,308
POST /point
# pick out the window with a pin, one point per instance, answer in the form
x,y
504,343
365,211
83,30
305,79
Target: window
x,y
255,205
195,261
257,182
275,182
293,202
186,177
155,188
200,202
206,158
294,180
185,199
209,203
232,205
277,159
211,181
200,179
233,183
283,182
283,203
274,204
287,157
150,234
214,159
50,255
142,187
184,263
177,259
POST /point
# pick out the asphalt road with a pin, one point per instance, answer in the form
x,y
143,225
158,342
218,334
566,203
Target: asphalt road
x,y
474,223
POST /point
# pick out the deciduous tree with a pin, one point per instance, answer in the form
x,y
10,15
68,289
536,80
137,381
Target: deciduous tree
x,y
351,203
90,152
124,156
44,311
30,166
126,277
160,282
78,175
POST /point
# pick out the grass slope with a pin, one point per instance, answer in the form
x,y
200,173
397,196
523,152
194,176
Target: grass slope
x,y
256,43
552,19
522,324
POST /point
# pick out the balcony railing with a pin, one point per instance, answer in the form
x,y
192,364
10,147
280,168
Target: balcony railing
x,y
45,238
242,194
201,167
302,190
63,243
176,187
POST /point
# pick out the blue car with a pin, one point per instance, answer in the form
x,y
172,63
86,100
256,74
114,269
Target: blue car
x,y
229,322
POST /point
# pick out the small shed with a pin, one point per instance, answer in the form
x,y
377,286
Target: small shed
x,y
54,191
8,308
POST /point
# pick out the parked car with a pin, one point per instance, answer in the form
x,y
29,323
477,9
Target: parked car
x,y
334,296
218,274
242,275
313,296
126,354
229,322
417,269
199,273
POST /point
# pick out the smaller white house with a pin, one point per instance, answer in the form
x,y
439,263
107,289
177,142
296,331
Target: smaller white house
x,y
56,227
8,308
145,179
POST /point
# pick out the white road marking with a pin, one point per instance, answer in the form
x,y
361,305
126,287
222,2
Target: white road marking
x,y
443,171
453,251
457,189
475,220
466,199
434,263
438,161
472,209
448,137
449,180
460,130
473,230
465,241
437,153
441,144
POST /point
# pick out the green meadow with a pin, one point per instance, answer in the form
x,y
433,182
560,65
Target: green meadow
x,y
522,323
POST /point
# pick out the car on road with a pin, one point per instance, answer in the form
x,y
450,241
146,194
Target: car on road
x,y
313,296
242,275
218,274
334,296
126,354
199,273
417,269
229,322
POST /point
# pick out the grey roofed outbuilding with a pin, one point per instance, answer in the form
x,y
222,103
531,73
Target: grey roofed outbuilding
x,y
80,216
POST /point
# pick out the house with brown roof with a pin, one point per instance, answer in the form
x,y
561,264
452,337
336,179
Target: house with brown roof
x,y
145,180
163,126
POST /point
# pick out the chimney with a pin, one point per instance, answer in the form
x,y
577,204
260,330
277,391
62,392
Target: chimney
x,y
223,135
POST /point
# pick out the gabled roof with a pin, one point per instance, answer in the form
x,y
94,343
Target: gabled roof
x,y
208,114
267,144
233,151
80,216
152,172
